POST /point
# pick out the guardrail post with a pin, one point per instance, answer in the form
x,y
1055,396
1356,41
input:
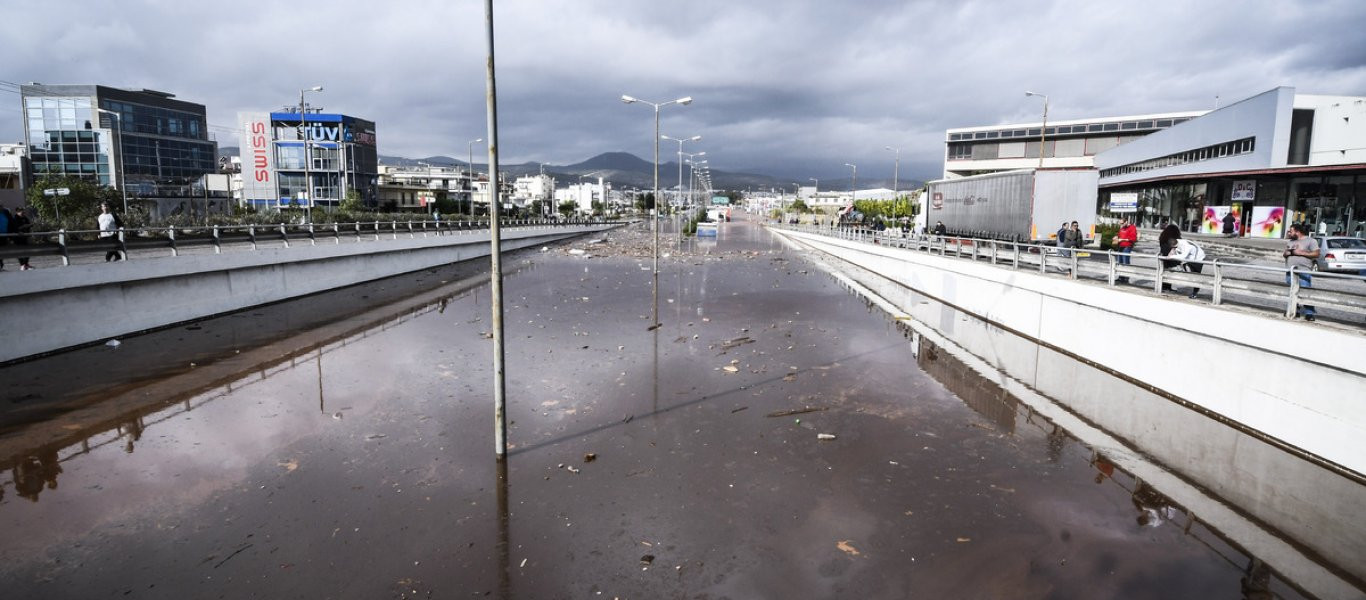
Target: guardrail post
x,y
251,233
393,229
1294,299
284,235
1043,260
217,241
376,231
123,244
1015,247
170,234
1157,277
312,235
357,231
412,235
1112,276
61,243
1218,282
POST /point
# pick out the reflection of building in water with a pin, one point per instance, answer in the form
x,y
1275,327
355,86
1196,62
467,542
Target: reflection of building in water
x,y
980,394
34,472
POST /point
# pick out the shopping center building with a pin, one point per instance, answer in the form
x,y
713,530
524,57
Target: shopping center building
x,y
1272,159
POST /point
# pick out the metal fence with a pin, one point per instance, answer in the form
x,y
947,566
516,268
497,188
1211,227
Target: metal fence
x,y
1261,286
131,242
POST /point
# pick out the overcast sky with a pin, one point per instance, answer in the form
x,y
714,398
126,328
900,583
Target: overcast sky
x,y
792,88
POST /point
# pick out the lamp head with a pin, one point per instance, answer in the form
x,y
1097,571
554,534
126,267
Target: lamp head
x,y
694,138
628,99
316,88
684,100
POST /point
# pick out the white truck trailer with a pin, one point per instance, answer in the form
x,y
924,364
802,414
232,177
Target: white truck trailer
x,y
1024,205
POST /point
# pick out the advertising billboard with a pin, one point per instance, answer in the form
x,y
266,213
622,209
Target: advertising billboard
x,y
1267,222
258,159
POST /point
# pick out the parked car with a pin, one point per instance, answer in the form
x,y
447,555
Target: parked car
x,y
1341,253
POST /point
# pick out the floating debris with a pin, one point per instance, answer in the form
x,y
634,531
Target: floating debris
x,y
825,436
798,411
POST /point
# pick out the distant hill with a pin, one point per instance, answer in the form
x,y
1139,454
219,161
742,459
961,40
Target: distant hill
x,y
622,169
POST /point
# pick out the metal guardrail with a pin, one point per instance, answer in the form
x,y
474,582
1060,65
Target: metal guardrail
x,y
66,243
1220,277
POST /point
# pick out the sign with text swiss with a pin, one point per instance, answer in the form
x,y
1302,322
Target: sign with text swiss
x,y
258,158
1124,202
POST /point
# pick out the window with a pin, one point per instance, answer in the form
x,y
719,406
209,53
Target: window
x,y
981,135
1112,127
1093,128
1145,124
1129,125
991,135
1033,132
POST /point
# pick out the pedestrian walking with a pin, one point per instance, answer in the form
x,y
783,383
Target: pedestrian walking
x,y
1300,253
109,226
20,225
1125,240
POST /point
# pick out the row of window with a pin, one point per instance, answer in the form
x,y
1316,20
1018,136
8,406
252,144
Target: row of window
x,y
1053,148
1146,124
1234,148
135,118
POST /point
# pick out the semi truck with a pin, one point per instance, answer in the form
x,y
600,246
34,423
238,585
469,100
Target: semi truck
x,y
1023,205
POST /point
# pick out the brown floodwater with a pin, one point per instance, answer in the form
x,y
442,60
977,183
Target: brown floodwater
x,y
341,446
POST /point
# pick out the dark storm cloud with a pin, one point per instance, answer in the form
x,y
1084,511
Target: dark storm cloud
x,y
795,88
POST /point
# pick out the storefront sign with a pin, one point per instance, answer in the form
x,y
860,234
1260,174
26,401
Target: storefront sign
x,y
1212,223
1267,222
1244,191
1124,202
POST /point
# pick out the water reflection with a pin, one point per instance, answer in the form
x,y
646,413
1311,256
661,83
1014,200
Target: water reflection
x,y
33,454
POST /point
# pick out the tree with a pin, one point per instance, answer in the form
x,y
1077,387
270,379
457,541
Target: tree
x,y
76,210
352,202
799,206
645,201
567,208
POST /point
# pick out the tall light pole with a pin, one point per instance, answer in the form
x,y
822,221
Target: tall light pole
x,y
1043,131
471,173
896,168
495,247
691,171
655,216
305,136
680,158
118,143
853,188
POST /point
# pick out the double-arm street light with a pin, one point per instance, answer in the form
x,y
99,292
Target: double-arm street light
x,y
896,168
853,188
118,147
305,136
680,158
655,216
471,173
1043,131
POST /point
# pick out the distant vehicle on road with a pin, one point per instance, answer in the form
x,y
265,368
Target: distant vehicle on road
x,y
1340,253
1023,205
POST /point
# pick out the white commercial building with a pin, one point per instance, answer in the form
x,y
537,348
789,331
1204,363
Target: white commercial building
x,y
1272,159
1071,144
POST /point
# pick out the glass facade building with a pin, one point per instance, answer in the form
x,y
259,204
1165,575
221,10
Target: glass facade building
x,y
144,141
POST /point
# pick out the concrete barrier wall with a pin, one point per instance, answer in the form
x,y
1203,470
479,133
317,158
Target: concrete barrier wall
x,y
1298,384
51,309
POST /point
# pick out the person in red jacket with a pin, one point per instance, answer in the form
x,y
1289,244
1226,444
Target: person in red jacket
x,y
1125,240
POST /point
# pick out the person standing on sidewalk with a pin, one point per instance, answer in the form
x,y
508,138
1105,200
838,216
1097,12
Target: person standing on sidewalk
x,y
1300,253
1126,239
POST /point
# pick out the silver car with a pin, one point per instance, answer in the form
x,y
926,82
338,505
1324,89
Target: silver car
x,y
1340,253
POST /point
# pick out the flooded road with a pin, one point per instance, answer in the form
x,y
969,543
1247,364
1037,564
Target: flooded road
x,y
352,456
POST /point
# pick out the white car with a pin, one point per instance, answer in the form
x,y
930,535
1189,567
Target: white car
x,y
1340,253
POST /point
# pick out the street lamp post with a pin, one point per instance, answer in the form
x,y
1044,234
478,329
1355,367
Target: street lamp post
x,y
680,159
896,168
1043,130
853,188
118,146
655,216
471,173
305,136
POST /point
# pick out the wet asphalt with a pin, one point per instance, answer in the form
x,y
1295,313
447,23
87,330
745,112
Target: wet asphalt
x,y
347,452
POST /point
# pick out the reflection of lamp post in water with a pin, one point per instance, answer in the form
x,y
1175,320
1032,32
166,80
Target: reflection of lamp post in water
x,y
305,135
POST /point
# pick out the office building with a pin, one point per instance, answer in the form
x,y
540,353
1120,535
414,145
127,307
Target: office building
x,y
334,153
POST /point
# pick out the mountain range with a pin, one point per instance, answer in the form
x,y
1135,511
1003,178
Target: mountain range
x,y
625,170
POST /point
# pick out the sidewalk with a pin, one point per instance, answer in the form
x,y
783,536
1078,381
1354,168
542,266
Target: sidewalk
x,y
1247,247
